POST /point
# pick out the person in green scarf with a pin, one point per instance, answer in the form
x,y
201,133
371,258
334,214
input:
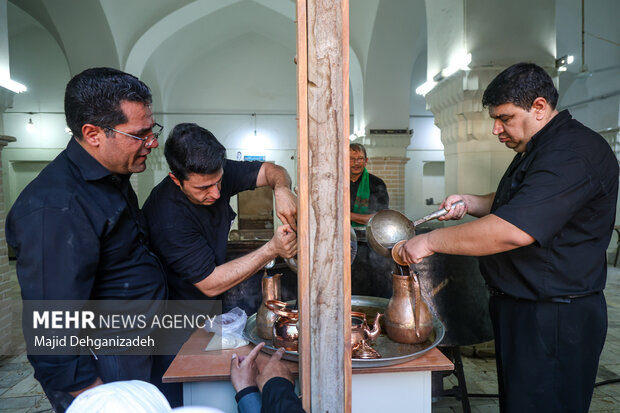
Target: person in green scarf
x,y
368,192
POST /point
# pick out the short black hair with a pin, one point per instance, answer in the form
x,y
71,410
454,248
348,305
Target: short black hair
x,y
358,147
94,96
521,84
193,149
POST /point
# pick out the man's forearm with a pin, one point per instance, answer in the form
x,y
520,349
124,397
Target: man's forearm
x,y
488,235
229,274
274,176
479,205
360,218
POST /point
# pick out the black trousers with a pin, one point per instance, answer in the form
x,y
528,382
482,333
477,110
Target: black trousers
x,y
547,353
109,369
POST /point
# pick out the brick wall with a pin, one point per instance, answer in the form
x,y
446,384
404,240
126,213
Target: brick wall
x,y
392,170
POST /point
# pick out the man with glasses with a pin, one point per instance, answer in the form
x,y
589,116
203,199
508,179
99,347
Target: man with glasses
x,y
77,230
368,192
369,270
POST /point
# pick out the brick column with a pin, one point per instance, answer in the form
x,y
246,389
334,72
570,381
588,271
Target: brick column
x,y
392,170
385,159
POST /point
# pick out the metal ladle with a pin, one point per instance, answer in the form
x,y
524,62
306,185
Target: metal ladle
x,y
387,227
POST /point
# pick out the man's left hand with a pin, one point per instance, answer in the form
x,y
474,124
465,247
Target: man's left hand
x,y
243,370
286,206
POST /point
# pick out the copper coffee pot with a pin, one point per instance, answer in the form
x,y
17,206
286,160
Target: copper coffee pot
x,y
285,330
362,336
407,317
360,329
264,316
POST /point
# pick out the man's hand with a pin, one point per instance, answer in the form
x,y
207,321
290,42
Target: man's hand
x,y
284,242
274,368
454,211
415,249
243,370
286,206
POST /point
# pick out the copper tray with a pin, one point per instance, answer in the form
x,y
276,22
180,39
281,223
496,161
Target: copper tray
x,y
391,351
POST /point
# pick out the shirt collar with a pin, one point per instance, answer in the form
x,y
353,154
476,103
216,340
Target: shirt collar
x,y
89,167
555,122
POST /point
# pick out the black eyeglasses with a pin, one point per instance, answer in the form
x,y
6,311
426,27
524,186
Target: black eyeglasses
x,y
148,140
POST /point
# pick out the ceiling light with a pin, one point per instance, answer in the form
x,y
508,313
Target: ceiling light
x,y
561,63
12,85
426,87
460,62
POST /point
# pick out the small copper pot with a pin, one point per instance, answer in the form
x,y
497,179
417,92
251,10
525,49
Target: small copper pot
x,y
360,329
285,330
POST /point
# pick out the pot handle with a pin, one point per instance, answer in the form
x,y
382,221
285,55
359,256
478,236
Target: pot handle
x,y
439,213
278,307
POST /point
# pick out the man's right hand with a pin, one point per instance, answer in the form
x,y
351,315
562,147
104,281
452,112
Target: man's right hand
x,y
274,368
475,205
284,242
454,211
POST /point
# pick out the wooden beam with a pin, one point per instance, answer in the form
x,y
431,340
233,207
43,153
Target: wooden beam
x,y
324,261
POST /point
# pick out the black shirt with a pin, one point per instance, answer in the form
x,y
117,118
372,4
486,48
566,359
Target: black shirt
x,y
191,239
78,235
563,193
379,198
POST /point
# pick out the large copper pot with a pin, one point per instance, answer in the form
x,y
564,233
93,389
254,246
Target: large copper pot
x,y
265,318
407,317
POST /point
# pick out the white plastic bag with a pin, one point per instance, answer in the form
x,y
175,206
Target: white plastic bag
x,y
228,329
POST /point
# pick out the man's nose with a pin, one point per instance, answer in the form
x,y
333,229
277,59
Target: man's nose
x,y
497,127
214,192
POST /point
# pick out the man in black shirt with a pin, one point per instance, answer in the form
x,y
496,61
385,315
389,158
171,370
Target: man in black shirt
x,y
368,192
543,235
189,214
189,218
77,231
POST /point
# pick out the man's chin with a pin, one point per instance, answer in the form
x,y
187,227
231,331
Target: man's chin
x,y
137,168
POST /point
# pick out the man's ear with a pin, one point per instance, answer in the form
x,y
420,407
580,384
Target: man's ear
x,y
175,179
540,107
92,134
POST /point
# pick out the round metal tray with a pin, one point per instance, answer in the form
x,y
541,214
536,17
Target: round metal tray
x,y
391,351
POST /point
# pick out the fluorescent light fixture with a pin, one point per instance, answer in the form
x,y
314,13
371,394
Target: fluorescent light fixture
x,y
561,63
426,87
460,62
12,85
357,134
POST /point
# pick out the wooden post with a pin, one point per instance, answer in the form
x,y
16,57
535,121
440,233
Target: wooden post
x,y
324,261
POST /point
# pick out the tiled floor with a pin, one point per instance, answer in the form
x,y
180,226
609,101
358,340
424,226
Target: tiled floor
x,y
20,392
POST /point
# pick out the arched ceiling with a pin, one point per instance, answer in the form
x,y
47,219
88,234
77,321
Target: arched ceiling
x,y
387,38
211,31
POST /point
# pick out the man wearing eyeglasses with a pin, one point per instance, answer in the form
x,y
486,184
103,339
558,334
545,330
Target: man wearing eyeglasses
x,y
368,192
77,230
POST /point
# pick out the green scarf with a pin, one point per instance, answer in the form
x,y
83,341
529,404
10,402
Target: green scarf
x,y
362,198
